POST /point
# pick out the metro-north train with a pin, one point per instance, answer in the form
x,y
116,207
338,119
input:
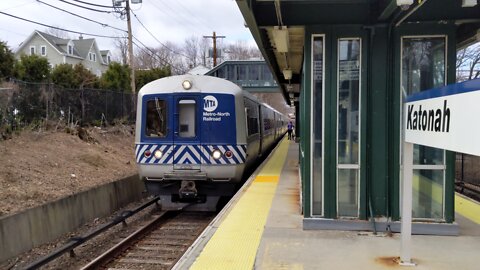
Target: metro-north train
x,y
197,135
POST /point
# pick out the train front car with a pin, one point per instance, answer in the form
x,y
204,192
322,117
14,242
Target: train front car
x,y
188,147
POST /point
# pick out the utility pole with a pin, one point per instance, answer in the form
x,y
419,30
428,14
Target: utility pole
x,y
130,47
214,37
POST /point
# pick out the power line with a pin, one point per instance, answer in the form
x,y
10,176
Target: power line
x,y
92,4
173,51
55,27
85,18
92,9
176,18
153,53
192,15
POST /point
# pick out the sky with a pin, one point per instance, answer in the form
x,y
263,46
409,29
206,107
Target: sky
x,y
167,20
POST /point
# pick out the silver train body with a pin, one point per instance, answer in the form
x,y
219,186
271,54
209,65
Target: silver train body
x,y
196,136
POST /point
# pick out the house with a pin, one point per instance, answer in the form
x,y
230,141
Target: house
x,y
66,51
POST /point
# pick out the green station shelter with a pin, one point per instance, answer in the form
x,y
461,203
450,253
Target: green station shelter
x,y
346,66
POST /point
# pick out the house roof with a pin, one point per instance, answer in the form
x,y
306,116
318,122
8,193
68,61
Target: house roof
x,y
80,49
83,46
56,42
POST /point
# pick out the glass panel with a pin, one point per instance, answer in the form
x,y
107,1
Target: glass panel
x,y
317,162
348,101
221,72
347,193
424,155
242,72
186,118
423,64
253,72
423,68
156,124
231,73
427,194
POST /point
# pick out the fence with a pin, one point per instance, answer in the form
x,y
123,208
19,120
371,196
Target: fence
x,y
22,104
467,169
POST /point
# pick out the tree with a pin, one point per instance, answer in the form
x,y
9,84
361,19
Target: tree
x,y
63,75
121,45
117,77
57,32
241,51
468,63
77,76
143,77
32,68
84,77
7,61
191,51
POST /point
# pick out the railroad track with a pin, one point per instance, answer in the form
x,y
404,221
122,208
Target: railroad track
x,y
468,189
157,245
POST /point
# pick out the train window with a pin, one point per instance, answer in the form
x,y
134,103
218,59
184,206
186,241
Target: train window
x,y
156,124
186,118
252,117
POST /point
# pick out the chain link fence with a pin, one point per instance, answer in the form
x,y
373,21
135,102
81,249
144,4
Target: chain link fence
x,y
467,169
23,104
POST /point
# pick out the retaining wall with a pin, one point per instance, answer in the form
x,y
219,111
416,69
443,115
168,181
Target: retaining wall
x,y
36,226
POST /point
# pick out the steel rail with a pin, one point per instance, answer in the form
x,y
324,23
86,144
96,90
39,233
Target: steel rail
x,y
76,241
119,248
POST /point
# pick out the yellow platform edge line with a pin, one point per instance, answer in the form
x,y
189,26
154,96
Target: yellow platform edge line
x,y
234,245
467,208
266,178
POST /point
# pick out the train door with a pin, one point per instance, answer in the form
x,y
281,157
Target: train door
x,y
186,135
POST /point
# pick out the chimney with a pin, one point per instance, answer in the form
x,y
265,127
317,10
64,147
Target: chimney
x,y
80,37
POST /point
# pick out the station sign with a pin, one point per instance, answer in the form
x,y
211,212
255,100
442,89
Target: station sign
x,y
446,118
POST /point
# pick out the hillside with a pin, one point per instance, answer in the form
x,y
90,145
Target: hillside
x,y
41,166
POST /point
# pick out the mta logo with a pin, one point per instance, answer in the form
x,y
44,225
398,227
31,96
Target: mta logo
x,y
210,103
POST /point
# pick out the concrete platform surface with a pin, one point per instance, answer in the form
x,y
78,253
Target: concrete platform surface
x,y
285,245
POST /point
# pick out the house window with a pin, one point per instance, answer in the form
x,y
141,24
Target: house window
x,y
32,50
43,50
94,57
108,59
90,56
70,49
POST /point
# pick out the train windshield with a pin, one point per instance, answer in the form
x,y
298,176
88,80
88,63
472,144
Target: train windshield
x,y
186,110
156,124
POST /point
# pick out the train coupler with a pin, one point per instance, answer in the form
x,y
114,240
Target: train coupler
x,y
188,190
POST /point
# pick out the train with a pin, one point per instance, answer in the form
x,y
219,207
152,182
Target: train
x,y
196,136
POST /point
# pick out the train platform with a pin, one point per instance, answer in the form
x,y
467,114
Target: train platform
x,y
262,228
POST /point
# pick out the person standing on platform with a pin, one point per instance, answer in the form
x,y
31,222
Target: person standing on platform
x,y
290,130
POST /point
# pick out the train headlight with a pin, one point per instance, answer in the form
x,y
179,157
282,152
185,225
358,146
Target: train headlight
x,y
147,153
158,154
187,84
216,154
228,154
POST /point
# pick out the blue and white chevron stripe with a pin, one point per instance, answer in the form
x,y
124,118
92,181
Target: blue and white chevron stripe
x,y
190,154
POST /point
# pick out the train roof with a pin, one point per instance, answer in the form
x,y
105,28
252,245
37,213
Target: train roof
x,y
200,83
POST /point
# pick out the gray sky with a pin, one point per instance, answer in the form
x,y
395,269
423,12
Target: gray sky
x,y
168,20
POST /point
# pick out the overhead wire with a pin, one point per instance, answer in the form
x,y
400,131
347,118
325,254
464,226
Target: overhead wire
x,y
165,46
153,53
176,18
92,4
192,15
55,27
82,17
92,9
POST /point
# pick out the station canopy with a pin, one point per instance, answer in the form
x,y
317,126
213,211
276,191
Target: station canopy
x,y
278,26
